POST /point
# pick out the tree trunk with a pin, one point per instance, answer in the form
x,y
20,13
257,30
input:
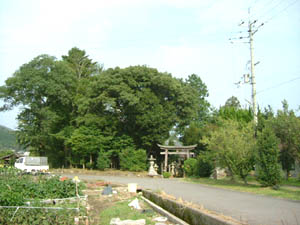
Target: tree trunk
x,y
91,161
65,158
231,174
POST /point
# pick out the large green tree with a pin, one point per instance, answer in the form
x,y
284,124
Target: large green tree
x,y
143,103
232,110
267,155
286,126
43,87
233,102
47,89
68,105
232,146
200,93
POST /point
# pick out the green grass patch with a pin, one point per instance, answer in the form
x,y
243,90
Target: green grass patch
x,y
124,212
253,187
292,182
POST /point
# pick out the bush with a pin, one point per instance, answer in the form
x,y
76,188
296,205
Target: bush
x,y
103,161
233,146
267,158
89,165
133,160
166,175
204,166
190,166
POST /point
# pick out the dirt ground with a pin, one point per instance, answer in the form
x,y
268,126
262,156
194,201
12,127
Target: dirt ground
x,y
96,202
108,172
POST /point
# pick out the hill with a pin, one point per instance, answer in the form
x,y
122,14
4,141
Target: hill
x,y
7,139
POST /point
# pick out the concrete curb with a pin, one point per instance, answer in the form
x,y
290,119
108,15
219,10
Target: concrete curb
x,y
165,213
190,215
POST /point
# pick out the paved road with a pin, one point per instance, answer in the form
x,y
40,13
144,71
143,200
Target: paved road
x,y
250,208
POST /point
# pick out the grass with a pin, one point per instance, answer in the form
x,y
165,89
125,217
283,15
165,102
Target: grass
x,y
285,192
124,212
292,182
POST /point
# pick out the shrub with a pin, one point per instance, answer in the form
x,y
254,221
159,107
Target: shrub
x,y
133,160
204,166
190,166
267,158
166,175
102,160
89,165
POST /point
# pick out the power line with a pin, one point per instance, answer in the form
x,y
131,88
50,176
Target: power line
x,y
268,11
262,8
286,8
251,6
278,85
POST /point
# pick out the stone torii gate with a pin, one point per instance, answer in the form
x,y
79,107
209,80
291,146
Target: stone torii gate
x,y
180,150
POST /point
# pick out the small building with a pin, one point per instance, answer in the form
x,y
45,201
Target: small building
x,y
10,159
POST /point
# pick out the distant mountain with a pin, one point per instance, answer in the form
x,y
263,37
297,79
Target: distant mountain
x,y
8,139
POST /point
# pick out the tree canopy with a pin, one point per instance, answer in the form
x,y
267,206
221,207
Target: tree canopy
x,y
72,108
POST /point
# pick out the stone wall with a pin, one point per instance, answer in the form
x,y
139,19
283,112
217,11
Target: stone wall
x,y
190,215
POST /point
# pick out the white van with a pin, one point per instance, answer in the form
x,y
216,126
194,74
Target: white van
x,y
32,164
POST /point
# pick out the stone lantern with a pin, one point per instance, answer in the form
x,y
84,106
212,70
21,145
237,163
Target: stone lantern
x,y
152,171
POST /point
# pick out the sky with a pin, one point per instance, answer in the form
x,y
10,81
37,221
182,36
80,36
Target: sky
x,y
181,37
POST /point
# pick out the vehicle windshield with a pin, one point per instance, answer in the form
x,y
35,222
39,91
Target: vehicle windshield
x,y
20,160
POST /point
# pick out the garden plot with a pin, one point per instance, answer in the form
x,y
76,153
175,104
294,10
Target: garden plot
x,y
46,199
28,199
114,207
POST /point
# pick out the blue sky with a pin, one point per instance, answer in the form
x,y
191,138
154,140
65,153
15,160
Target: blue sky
x,y
180,37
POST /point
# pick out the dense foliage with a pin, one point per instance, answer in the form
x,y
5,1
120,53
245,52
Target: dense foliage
x,y
133,160
79,114
72,109
205,165
189,166
286,127
232,145
228,139
37,216
17,189
267,158
202,166
103,161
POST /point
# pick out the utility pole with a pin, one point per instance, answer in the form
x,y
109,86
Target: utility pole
x,y
253,82
251,31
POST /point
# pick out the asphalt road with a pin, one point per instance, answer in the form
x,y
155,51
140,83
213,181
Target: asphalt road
x,y
249,208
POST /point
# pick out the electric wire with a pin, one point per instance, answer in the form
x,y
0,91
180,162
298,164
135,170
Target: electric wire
x,y
278,85
268,11
280,12
251,6
263,8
